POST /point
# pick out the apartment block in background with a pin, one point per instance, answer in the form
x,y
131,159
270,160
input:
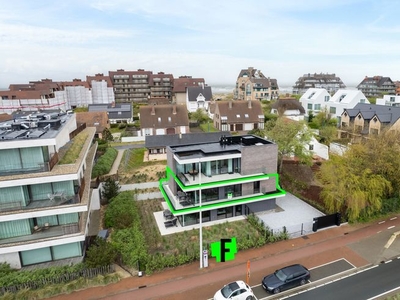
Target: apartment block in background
x,y
377,86
44,200
234,176
329,82
252,84
34,96
138,86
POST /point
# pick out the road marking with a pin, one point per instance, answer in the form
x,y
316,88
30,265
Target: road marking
x,y
391,227
381,222
392,238
331,262
385,293
379,231
386,262
393,218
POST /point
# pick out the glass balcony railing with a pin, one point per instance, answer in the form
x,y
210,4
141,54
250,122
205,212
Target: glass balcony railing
x,y
43,233
45,203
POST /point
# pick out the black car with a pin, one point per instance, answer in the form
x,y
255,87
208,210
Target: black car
x,y
286,278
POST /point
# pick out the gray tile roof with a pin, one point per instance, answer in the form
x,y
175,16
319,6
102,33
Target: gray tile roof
x,y
386,114
195,91
113,110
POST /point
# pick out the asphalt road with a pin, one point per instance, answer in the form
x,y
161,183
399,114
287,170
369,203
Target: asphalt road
x,y
373,283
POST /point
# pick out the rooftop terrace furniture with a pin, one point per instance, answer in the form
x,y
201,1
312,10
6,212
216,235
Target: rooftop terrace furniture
x,y
171,223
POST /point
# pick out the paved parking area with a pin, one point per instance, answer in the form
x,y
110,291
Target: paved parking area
x,y
293,213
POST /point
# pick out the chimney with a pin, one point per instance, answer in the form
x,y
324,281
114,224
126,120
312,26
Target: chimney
x,y
249,103
230,104
174,109
153,110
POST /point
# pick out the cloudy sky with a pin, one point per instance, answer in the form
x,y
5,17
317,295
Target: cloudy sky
x,y
63,40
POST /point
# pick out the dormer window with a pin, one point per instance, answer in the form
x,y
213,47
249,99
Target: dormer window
x,y
159,119
246,115
169,119
238,116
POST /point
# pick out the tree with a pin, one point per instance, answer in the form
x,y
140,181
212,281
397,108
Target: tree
x,y
110,189
100,253
107,136
200,116
292,138
355,192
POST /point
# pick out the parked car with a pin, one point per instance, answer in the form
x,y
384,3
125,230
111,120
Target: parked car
x,y
237,290
286,278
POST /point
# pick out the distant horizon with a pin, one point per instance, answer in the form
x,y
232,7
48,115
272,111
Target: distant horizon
x,y
284,39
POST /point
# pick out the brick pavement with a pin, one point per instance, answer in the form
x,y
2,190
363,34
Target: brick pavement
x,y
190,282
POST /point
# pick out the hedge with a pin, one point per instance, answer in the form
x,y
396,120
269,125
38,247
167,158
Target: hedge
x,y
105,162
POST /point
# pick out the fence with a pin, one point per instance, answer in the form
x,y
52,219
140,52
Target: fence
x,y
64,278
297,230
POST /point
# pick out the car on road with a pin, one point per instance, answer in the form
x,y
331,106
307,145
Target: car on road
x,y
286,278
237,290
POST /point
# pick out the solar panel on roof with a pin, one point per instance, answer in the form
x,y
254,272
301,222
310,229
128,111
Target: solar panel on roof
x,y
15,134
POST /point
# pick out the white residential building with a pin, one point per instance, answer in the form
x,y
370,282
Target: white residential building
x,y
44,203
316,100
389,100
345,99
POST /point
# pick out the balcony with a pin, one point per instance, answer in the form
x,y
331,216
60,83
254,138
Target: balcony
x,y
37,204
43,233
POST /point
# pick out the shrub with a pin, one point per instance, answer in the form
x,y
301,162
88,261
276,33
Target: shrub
x,y
121,212
105,162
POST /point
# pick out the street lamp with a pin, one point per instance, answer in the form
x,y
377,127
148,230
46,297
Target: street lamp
x,y
200,215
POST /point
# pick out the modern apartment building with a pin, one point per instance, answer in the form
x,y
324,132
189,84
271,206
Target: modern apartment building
x,y
139,86
44,201
330,82
251,84
234,176
377,86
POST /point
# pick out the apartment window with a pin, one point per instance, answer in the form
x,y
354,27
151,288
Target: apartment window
x,y
309,106
332,110
311,147
256,187
317,107
327,98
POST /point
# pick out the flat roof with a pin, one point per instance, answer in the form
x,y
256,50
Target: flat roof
x,y
34,125
226,145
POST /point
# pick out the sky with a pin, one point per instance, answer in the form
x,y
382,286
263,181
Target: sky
x,y
214,40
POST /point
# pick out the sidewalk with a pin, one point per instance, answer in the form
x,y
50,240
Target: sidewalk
x,y
312,250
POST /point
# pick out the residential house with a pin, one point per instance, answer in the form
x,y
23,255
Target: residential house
x,y
156,145
198,97
219,180
238,115
389,100
314,100
251,84
377,86
344,99
289,107
329,82
45,207
96,119
179,94
397,85
365,119
317,100
163,119
117,112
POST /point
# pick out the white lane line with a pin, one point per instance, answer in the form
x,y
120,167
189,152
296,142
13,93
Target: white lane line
x,y
331,262
381,222
385,293
394,218
391,227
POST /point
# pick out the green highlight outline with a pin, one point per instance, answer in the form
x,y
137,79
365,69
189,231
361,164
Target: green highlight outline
x,y
279,191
